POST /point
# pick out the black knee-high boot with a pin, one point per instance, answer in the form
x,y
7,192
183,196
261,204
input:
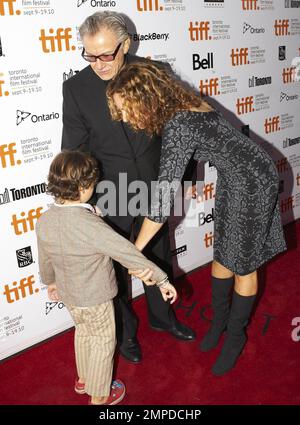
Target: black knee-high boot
x,y
221,295
236,338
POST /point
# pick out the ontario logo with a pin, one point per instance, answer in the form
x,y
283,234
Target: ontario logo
x,y
51,305
94,3
252,30
21,116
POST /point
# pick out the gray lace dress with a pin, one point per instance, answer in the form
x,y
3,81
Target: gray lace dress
x,y
248,229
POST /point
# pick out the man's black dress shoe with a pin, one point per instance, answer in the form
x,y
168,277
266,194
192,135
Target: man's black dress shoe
x,y
179,331
131,350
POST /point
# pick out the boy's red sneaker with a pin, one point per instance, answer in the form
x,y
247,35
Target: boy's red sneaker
x,y
79,387
116,395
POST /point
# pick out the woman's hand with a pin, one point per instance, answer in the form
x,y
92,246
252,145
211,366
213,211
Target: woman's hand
x,y
52,292
168,292
192,193
145,275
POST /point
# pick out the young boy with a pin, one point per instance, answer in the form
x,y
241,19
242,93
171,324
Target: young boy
x,y
76,248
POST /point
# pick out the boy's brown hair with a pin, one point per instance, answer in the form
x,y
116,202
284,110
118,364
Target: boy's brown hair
x,y
69,172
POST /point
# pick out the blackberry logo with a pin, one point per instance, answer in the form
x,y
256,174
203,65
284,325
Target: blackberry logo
x,y
24,256
51,305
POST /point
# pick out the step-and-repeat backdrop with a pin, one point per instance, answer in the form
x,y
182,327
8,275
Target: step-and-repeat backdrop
x,y
243,54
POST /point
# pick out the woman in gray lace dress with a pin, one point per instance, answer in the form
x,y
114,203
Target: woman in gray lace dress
x,y
248,230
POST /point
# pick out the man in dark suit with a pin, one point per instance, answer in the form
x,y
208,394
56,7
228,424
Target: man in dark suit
x,y
87,125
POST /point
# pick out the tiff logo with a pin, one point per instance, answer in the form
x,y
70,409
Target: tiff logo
x,y
208,239
2,91
287,204
272,124
8,6
148,6
53,43
4,197
26,223
244,105
249,5
289,75
7,152
24,256
209,87
281,27
282,165
18,291
199,31
239,56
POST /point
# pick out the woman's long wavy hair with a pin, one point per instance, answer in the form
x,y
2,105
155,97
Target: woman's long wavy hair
x,y
151,96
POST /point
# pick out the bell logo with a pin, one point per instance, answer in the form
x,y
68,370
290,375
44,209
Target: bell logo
x,y
281,27
19,289
2,91
25,223
149,6
199,31
239,56
244,105
289,75
8,6
272,124
209,87
53,43
8,152
249,5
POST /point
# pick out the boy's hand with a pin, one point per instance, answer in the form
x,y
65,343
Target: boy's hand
x,y
52,292
145,275
98,211
168,292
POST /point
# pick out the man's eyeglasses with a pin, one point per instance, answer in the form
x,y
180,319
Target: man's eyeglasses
x,y
103,58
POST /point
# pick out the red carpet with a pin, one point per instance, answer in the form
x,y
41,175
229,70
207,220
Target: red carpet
x,y
174,372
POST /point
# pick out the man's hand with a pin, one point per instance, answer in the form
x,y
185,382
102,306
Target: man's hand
x,y
145,275
52,292
168,292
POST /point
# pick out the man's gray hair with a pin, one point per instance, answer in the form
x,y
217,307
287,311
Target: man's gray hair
x,y
109,20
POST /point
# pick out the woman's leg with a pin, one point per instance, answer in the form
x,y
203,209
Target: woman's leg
x,y
222,283
244,295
